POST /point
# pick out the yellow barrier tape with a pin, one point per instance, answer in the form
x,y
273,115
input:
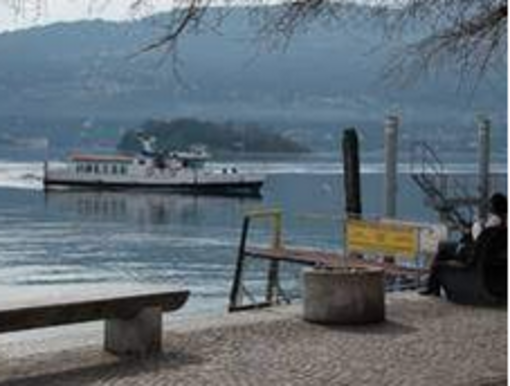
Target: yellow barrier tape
x,y
275,216
262,213
375,237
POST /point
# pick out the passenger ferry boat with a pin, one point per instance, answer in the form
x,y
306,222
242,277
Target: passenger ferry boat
x,y
151,170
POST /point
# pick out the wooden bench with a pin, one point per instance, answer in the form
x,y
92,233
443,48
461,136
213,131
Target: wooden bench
x,y
133,317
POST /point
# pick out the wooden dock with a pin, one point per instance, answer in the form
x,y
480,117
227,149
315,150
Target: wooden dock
x,y
323,258
277,252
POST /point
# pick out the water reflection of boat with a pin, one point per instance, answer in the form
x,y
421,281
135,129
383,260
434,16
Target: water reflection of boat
x,y
154,208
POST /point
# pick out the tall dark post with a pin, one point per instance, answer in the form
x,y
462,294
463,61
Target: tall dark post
x,y
352,185
484,129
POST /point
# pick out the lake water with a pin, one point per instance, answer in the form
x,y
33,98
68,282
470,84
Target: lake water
x,y
66,238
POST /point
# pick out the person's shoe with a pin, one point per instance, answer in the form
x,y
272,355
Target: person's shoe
x,y
429,292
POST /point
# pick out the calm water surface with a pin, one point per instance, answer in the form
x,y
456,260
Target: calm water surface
x,y
67,238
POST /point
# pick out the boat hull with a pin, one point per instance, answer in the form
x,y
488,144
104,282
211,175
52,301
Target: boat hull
x,y
238,188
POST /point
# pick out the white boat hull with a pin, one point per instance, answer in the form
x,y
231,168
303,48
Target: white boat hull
x,y
183,181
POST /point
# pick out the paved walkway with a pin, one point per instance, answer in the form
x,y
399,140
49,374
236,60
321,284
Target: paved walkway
x,y
424,342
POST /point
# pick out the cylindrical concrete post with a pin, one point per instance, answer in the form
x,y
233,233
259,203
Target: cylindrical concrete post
x,y
343,295
390,160
483,165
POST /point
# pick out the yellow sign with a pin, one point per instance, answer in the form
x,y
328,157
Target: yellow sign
x,y
376,237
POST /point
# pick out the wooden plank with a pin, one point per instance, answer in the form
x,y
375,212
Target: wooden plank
x,y
327,259
82,307
248,307
300,256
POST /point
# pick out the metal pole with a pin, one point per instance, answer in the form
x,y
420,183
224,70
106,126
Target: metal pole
x,y
237,284
390,159
483,165
274,267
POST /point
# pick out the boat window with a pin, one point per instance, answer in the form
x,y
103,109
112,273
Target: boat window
x,y
96,169
105,169
114,169
195,164
79,168
123,169
141,162
88,169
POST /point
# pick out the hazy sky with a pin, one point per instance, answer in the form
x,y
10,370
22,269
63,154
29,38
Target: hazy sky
x,y
17,14
41,12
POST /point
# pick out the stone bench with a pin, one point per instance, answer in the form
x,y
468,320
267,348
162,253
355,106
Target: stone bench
x,y
133,317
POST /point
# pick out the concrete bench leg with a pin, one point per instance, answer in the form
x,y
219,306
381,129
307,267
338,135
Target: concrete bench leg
x,y
138,336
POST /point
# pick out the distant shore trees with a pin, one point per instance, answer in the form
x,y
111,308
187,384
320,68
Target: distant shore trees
x,y
219,138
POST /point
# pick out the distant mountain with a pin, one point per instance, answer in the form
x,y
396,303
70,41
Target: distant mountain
x,y
181,134
17,142
74,79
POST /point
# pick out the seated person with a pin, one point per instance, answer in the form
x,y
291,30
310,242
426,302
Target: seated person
x,y
463,251
496,217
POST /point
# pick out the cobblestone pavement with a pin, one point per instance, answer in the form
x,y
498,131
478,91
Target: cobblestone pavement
x,y
424,342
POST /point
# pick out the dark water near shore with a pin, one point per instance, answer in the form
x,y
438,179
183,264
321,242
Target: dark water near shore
x,y
191,241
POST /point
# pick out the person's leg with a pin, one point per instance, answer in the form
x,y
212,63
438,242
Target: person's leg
x,y
433,286
446,251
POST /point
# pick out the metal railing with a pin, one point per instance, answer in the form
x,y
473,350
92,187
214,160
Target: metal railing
x,y
445,192
273,288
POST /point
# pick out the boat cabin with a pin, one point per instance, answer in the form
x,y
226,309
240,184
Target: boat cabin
x,y
88,164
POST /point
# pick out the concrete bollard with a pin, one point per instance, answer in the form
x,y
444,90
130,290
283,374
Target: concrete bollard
x,y
138,335
343,295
